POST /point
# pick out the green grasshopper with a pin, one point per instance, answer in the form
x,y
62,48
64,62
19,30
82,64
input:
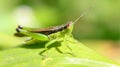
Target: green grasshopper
x,y
50,34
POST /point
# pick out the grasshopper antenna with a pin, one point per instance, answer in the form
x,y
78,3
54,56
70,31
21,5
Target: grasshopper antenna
x,y
81,16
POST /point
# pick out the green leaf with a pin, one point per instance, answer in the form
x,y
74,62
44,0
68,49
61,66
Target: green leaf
x,y
59,55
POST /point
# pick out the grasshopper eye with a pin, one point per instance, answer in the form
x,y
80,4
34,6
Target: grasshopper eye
x,y
69,24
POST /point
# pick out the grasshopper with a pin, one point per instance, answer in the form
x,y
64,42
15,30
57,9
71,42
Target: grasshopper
x,y
50,34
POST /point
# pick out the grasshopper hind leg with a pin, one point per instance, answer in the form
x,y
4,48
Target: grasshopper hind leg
x,y
25,28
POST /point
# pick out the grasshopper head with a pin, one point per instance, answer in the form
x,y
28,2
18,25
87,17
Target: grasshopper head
x,y
70,27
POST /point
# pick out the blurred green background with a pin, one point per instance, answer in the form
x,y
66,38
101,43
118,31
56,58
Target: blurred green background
x,y
99,29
